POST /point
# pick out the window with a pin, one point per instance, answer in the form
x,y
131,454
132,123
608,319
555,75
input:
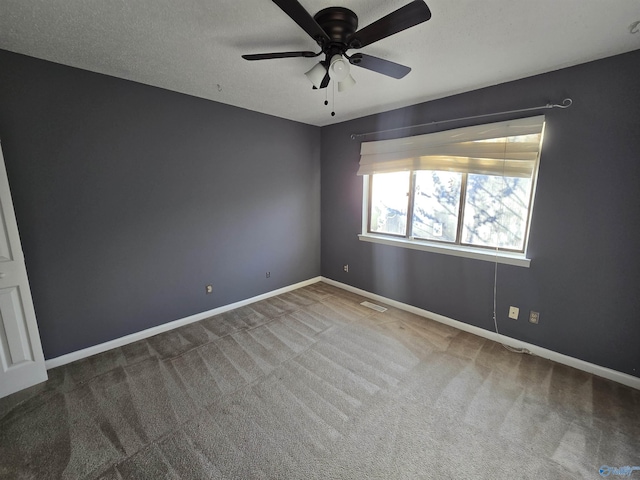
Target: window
x,y
471,187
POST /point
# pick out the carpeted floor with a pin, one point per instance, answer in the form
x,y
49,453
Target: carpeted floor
x,y
310,384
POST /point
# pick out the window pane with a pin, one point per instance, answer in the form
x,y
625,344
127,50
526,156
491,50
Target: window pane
x,y
389,199
495,211
436,205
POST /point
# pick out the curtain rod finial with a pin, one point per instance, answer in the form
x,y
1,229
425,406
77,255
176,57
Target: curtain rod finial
x,y
566,103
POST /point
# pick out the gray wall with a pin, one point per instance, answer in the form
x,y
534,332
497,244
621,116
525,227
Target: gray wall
x,y
129,199
585,272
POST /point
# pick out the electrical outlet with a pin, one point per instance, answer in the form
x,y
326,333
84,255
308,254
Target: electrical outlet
x,y
208,289
534,317
346,268
268,274
514,312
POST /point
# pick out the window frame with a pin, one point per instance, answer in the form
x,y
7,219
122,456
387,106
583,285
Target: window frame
x,y
460,220
458,249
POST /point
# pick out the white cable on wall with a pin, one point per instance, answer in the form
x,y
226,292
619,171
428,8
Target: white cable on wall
x,y
495,270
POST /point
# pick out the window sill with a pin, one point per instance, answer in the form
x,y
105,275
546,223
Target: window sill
x,y
507,258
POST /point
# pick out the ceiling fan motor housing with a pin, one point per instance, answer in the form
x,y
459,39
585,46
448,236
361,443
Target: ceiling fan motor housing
x,y
339,23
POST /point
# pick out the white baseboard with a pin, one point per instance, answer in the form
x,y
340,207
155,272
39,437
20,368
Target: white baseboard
x,y
614,375
150,332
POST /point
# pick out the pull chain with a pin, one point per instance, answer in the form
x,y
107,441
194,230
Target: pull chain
x,y
333,98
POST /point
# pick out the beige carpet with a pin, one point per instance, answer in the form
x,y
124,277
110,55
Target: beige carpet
x,y
310,384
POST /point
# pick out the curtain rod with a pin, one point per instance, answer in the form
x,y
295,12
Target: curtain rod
x,y
566,103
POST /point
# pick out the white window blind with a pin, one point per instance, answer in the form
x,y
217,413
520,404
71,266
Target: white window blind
x,y
504,148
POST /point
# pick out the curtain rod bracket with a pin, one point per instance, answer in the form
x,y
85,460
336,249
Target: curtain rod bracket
x,y
566,103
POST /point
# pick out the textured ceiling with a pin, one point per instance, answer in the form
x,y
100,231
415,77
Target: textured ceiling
x,y
194,47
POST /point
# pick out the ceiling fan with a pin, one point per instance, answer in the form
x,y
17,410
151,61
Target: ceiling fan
x,y
335,30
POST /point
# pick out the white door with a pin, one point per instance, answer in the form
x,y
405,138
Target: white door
x,y
21,357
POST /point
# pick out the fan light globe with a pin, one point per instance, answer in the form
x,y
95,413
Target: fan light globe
x,y
347,83
316,74
338,68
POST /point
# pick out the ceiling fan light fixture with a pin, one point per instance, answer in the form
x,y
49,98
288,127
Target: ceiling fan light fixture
x,y
316,74
347,83
338,68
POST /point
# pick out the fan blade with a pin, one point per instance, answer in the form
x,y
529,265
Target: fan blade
x,y
325,81
268,56
379,65
299,15
405,17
